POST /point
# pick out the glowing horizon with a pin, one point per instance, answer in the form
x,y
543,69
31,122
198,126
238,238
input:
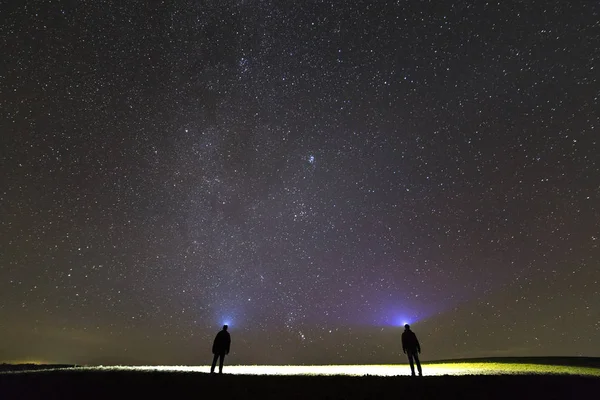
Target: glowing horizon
x,y
435,369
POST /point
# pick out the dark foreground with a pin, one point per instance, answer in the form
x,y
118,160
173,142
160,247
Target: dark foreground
x,y
184,385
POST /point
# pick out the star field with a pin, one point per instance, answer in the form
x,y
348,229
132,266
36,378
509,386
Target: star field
x,y
313,173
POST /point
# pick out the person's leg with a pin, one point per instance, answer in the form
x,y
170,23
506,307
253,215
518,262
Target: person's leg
x,y
214,363
221,359
410,360
416,356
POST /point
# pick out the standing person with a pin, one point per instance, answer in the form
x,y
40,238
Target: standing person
x,y
412,348
220,348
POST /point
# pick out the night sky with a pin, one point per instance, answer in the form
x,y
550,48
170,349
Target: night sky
x,y
314,173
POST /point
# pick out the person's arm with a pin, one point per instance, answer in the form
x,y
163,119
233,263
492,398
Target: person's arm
x,y
404,343
228,344
418,345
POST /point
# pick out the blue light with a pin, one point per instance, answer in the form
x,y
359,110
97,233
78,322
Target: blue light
x,y
399,320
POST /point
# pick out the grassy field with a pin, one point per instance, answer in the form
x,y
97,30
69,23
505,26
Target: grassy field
x,y
430,369
449,380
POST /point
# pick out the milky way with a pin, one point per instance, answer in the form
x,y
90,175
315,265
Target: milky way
x,y
313,173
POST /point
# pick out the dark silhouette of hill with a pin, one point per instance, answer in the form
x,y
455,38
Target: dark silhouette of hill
x,y
593,362
81,384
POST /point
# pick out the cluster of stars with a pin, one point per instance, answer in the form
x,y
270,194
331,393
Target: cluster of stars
x,y
314,174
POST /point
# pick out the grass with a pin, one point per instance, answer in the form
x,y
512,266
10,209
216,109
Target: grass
x,y
451,367
447,380
430,369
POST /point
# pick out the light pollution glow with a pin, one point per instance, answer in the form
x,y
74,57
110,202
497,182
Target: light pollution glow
x,y
362,370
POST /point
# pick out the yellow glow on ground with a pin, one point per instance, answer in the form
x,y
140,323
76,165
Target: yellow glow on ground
x,y
376,370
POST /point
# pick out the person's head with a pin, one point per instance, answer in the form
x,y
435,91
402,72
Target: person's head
x,y
407,327
225,327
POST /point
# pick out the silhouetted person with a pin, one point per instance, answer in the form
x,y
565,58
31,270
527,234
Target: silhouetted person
x,y
412,348
220,348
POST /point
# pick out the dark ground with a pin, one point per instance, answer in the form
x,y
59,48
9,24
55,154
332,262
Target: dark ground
x,y
184,385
